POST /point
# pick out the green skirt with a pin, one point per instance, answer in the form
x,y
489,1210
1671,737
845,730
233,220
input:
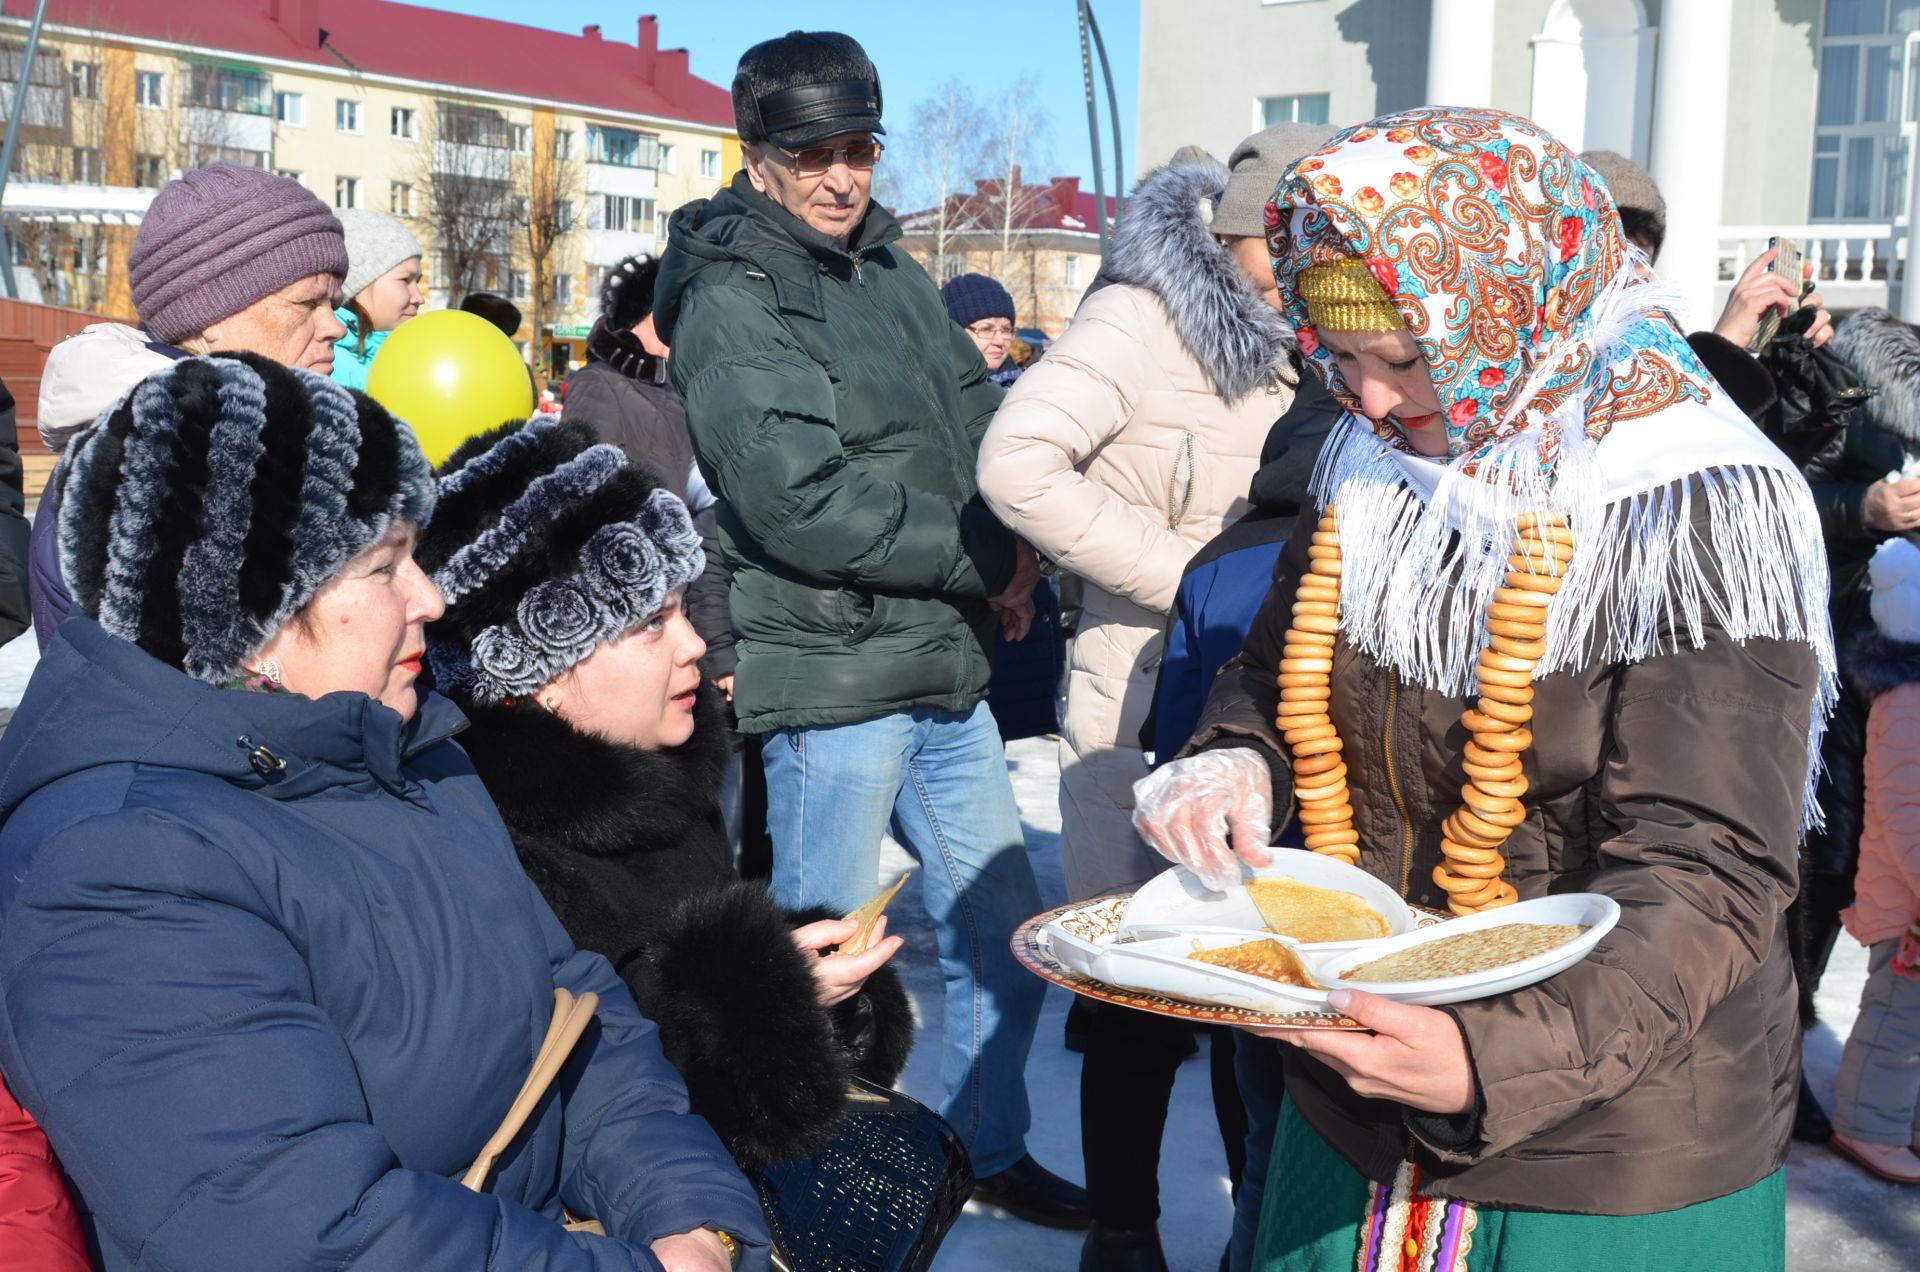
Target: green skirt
x,y
1321,1215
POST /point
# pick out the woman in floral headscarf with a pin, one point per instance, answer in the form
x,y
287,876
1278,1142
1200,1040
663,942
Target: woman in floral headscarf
x,y
1558,624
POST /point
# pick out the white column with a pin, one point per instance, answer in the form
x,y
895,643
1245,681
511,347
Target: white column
x,y
1909,281
1460,53
1690,145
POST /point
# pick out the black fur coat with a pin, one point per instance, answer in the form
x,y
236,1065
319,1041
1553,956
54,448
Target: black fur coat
x,y
629,849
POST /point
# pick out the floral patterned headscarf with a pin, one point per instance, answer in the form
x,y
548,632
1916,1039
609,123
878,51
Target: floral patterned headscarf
x,y
1501,251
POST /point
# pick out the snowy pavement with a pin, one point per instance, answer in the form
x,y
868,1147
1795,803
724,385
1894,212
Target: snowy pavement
x,y
1838,1218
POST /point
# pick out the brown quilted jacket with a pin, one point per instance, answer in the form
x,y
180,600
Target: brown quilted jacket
x,y
1661,1071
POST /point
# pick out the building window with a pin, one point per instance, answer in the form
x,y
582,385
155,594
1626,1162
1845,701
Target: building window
x,y
1859,143
290,109
346,115
400,198
471,126
660,219
290,174
626,212
1303,108
150,171
667,162
520,138
517,282
401,126
623,147
87,168
710,164
227,88
1072,271
563,216
346,192
563,143
150,89
562,296
86,81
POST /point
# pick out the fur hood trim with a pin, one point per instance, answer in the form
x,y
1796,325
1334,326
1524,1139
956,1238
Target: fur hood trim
x,y
1162,244
1885,353
1877,663
578,792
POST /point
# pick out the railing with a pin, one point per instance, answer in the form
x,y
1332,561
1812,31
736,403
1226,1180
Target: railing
x,y
1855,264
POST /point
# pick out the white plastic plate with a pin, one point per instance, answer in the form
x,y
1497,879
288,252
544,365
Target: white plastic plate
x,y
1174,901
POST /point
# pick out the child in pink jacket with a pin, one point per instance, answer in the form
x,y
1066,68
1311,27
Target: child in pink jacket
x,y
1876,1115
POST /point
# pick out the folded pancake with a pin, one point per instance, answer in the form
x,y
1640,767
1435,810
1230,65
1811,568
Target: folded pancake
x,y
1309,914
1267,959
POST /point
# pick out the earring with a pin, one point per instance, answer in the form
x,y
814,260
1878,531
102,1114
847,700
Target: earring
x,y
271,670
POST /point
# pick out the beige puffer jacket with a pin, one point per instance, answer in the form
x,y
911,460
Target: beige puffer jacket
x,y
1117,456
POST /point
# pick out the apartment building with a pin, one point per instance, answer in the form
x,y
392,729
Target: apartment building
x,y
527,161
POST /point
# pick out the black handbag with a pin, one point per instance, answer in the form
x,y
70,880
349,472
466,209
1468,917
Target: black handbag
x,y
880,1197
1818,393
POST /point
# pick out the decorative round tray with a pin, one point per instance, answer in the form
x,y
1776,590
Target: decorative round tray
x,y
1100,918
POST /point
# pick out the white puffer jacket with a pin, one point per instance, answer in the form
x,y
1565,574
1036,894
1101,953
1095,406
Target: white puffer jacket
x,y
89,372
1118,455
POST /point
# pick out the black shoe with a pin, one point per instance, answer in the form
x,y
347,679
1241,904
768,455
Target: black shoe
x,y
1027,1190
1810,1124
1122,1250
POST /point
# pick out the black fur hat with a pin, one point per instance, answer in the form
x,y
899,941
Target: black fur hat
x,y
805,87
207,508
627,294
545,545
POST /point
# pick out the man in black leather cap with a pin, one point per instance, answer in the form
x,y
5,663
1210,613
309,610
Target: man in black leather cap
x,y
836,413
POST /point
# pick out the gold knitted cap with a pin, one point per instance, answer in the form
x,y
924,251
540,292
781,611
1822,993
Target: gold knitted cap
x,y
1345,296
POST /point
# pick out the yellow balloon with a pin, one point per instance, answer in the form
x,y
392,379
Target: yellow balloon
x,y
450,375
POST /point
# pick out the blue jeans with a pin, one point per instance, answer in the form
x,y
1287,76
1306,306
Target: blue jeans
x,y
937,780
1256,1063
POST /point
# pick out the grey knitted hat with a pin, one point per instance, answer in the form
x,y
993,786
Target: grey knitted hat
x,y
1257,165
545,545
376,243
221,237
1643,211
211,504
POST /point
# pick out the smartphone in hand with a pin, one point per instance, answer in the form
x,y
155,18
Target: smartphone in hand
x,y
1788,263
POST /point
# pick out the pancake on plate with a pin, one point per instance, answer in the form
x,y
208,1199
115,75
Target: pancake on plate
x,y
1267,959
1309,914
1469,952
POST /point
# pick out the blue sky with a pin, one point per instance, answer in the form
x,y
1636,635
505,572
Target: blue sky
x,y
986,44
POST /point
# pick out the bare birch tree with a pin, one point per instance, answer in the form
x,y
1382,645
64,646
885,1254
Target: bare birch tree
x,y
946,149
552,186
466,174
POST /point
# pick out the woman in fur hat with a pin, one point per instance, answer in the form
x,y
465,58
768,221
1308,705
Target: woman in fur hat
x,y
270,973
1558,623
566,639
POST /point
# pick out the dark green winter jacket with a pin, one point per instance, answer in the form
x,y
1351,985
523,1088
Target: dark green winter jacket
x,y
836,412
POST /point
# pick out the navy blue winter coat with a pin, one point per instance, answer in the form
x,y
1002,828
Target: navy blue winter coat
x,y
268,1018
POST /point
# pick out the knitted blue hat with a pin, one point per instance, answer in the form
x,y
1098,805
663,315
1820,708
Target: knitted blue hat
x,y
207,508
971,297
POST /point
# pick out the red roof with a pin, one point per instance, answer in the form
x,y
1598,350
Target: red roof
x,y
381,38
1060,204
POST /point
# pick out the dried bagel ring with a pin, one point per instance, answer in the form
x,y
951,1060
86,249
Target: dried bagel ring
x,y
1309,733
1326,538
1506,896
1489,806
1546,583
1319,663
1486,757
1513,695
1301,679
1530,520
1534,649
1557,537
1311,786
1314,607
1313,707
1508,712
1454,851
1332,835
1513,789
1326,744
1303,693
1479,723
1319,640
1503,676
1512,743
1520,597
1478,869
1324,623
1506,662
1459,828
1512,815
1517,613
1535,565
1324,566
1324,816
1313,589
1516,630
1308,765
1511,771
1459,890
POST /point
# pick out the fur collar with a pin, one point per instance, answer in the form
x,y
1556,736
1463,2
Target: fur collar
x,y
1885,354
1163,244
1877,663
579,792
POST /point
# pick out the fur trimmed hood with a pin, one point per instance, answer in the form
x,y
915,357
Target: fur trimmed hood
x,y
1877,664
1885,353
1162,244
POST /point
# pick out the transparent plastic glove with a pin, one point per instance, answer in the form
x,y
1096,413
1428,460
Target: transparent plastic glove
x,y
1209,812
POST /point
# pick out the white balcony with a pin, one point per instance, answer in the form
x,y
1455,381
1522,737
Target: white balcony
x,y
609,178
610,247
1855,264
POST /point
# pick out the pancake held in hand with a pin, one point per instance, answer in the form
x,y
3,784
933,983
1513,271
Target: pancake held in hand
x,y
1269,960
1309,914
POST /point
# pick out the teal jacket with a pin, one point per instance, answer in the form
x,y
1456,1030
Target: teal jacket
x,y
836,412
350,361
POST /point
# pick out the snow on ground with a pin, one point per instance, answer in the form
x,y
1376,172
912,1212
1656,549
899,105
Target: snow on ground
x,y
1838,1218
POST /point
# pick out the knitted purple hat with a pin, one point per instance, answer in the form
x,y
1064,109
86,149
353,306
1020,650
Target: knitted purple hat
x,y
221,237
971,297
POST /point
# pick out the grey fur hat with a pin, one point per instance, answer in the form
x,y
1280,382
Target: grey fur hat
x,y
1256,166
545,545
376,243
211,504
1643,211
